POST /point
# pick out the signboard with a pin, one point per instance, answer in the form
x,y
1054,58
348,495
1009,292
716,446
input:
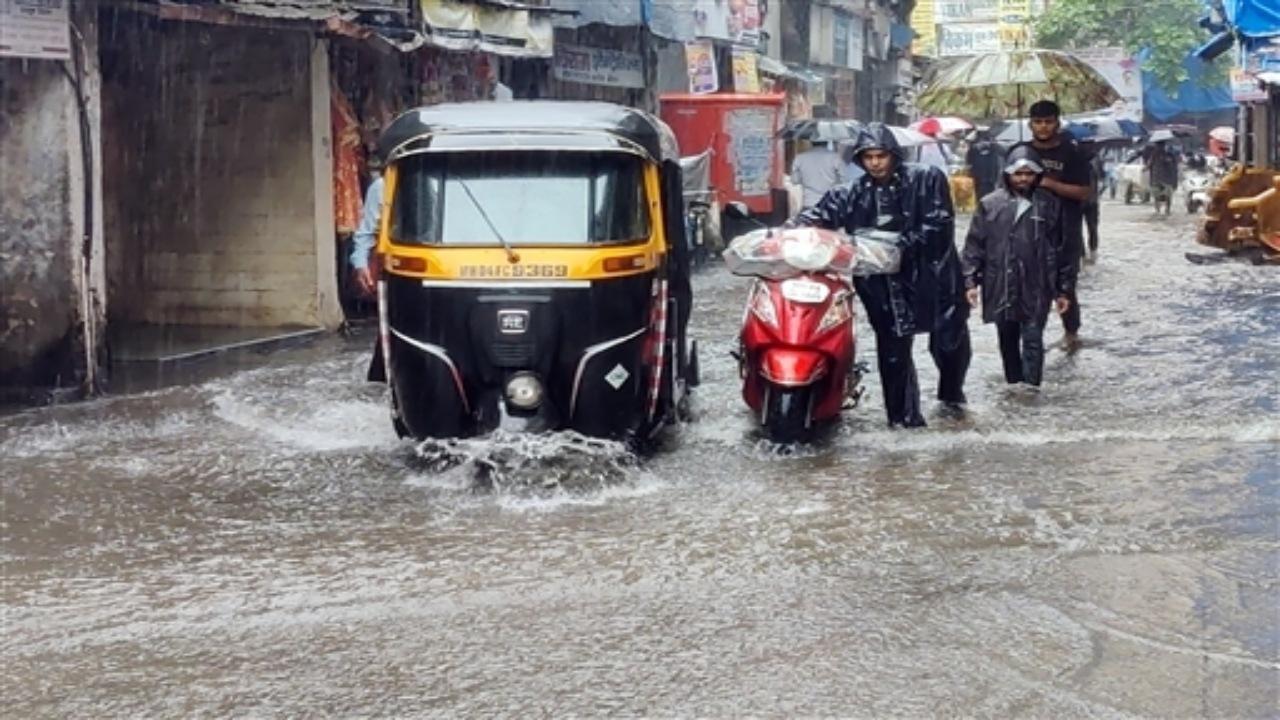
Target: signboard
x,y
1245,87
598,66
1015,24
923,23
751,149
35,29
1123,72
968,39
948,11
700,59
746,76
737,21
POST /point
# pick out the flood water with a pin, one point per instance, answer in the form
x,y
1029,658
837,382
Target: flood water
x,y
261,544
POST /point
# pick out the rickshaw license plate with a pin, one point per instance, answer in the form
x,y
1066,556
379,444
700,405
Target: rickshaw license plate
x,y
514,271
804,291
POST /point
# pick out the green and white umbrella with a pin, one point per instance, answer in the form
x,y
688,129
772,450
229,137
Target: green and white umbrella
x,y
1003,84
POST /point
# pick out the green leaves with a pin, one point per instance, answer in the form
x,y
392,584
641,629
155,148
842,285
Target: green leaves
x,y
1168,27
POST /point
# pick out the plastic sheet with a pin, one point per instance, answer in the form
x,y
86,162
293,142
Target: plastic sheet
x,y
780,253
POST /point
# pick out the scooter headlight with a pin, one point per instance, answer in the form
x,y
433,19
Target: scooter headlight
x,y
762,305
836,315
524,391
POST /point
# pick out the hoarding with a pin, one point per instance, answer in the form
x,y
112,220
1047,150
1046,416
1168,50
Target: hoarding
x,y
968,38
35,29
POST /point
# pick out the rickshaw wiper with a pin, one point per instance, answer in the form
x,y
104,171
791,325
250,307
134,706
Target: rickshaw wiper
x,y
512,256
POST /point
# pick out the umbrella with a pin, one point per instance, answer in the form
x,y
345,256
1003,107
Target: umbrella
x,y
819,130
1224,134
941,125
1103,128
997,85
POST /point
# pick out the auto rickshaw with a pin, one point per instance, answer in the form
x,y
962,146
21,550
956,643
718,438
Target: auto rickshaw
x,y
535,271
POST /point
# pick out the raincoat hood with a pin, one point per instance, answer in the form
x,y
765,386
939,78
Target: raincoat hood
x,y
877,136
1021,155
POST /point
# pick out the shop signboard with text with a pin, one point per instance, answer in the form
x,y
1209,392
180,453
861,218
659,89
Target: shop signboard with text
x,y
35,29
598,66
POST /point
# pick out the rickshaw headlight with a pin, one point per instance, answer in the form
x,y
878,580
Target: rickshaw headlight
x,y
524,391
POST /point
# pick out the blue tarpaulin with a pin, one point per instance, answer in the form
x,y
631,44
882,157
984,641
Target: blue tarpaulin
x,y
1192,98
1254,18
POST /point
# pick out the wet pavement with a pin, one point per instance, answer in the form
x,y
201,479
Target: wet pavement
x,y
261,544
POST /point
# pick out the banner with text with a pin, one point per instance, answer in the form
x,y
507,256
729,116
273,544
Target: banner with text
x,y
968,39
597,66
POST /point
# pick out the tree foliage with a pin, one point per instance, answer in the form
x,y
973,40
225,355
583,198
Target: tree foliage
x,y
1167,27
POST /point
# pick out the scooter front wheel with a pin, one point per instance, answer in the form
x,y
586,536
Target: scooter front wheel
x,y
788,413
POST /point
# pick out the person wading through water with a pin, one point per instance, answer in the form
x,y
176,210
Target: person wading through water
x,y
1014,262
1066,175
926,295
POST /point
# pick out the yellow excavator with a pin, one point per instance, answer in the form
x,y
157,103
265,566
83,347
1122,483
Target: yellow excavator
x,y
1243,215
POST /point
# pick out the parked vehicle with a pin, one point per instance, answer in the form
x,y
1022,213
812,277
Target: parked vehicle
x,y
700,208
797,344
536,275
1133,180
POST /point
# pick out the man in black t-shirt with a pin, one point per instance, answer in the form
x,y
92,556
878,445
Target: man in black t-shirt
x,y
1066,175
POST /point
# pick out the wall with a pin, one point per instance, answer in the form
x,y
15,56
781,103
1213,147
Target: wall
x,y
37,248
213,161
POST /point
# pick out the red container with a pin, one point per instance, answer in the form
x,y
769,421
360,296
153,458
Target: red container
x,y
747,159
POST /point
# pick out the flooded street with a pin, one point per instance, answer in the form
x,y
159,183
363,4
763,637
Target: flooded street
x,y
261,543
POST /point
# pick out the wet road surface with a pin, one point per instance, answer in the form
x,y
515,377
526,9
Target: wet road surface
x,y
261,544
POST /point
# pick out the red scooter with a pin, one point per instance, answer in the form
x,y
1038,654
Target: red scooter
x,y
797,346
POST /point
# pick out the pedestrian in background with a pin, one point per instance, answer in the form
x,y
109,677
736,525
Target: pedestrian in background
x,y
1162,164
985,160
1015,265
816,171
1066,175
363,272
1091,209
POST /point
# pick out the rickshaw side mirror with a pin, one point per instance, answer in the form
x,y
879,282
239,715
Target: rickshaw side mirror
x,y
737,210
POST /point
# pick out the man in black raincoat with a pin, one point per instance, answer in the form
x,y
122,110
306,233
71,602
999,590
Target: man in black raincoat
x,y
1016,258
926,295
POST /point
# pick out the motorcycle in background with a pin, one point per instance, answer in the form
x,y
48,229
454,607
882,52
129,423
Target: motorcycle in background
x,y
1197,185
797,346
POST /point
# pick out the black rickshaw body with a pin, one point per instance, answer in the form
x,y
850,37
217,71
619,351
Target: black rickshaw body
x,y
530,280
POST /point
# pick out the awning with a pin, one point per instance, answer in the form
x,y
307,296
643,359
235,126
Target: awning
x,y
381,22
503,28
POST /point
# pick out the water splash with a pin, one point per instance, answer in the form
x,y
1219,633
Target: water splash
x,y
523,463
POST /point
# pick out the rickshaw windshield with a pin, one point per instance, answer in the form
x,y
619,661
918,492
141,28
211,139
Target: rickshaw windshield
x,y
522,198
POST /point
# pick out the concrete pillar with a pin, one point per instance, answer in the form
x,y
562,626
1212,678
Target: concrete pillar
x,y
328,305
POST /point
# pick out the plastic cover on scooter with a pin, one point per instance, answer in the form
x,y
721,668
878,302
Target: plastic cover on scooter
x,y
780,253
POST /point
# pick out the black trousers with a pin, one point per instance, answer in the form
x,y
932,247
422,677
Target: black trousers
x,y
1091,224
1022,350
898,380
951,349
1075,247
